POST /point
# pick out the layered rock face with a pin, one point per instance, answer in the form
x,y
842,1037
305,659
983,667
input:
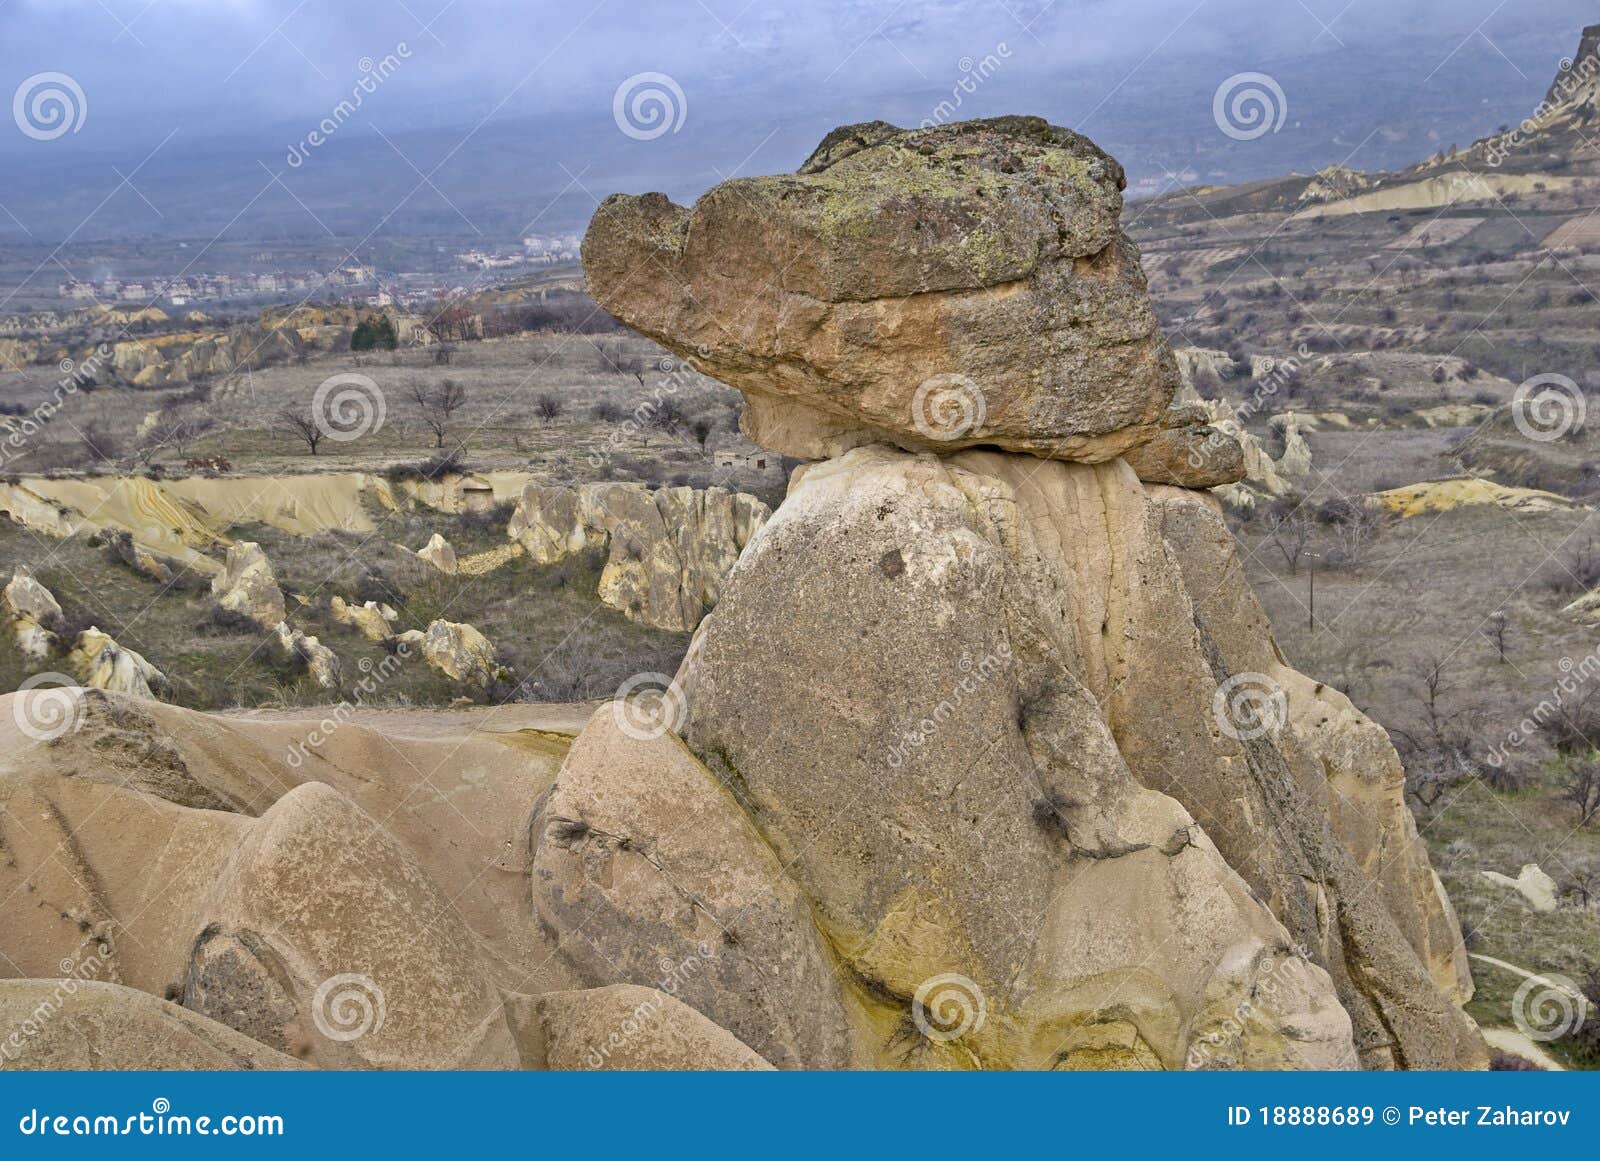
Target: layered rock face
x,y
948,287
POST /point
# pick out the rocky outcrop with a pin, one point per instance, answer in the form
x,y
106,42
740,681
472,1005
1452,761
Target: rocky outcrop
x,y
667,552
623,1028
438,553
320,663
662,881
103,664
82,1025
179,855
460,652
35,614
942,287
1189,451
372,620
188,356
980,759
246,589
1039,607
1532,883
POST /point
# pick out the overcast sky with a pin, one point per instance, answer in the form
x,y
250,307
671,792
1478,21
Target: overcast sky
x,y
238,63
510,100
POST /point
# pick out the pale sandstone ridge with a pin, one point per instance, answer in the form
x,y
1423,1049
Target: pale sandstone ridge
x,y
935,288
667,552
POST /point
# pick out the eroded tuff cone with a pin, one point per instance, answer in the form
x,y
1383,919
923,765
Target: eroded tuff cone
x,y
936,288
1026,774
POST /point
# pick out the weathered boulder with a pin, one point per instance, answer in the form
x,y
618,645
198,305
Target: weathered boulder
x,y
372,620
321,664
1188,451
1101,908
652,873
34,614
438,553
461,653
103,664
247,589
1532,883
936,288
668,552
623,1027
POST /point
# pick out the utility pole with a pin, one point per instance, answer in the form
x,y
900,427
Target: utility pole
x,y
1311,604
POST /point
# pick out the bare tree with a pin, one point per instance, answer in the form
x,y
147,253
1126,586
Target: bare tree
x,y
614,358
300,425
437,403
452,323
1291,535
1497,629
1581,787
101,445
1582,884
548,406
1354,524
173,431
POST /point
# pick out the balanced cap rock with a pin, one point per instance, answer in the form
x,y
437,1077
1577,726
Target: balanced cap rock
x,y
934,288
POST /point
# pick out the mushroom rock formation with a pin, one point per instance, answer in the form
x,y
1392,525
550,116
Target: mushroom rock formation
x,y
1053,776
934,288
